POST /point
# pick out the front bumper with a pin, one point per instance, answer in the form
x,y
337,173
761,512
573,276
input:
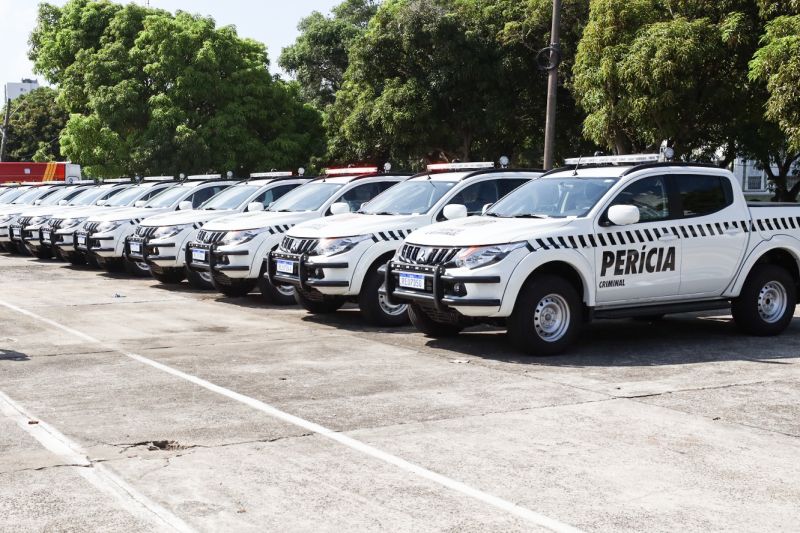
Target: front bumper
x,y
230,262
472,295
159,254
328,277
99,244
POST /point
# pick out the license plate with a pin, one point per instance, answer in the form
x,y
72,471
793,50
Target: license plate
x,y
198,255
287,267
135,247
45,235
81,240
16,232
412,281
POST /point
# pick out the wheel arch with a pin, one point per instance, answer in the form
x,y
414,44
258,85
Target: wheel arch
x,y
781,250
381,251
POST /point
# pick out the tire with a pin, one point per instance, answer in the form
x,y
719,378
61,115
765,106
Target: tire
x,y
277,295
430,327
135,268
114,264
199,280
317,303
766,303
233,287
169,276
76,258
649,318
44,252
374,307
547,316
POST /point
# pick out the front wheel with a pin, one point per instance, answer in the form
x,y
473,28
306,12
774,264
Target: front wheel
x,y
233,287
168,276
200,280
317,303
375,308
275,294
765,305
136,268
546,317
429,326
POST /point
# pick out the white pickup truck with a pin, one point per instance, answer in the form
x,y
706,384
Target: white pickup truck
x,y
610,237
349,249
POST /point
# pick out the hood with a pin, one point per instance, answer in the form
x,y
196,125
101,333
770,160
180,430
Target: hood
x,y
190,216
127,213
351,224
36,210
260,219
484,231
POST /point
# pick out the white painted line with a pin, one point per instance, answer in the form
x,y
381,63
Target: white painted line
x,y
131,500
504,505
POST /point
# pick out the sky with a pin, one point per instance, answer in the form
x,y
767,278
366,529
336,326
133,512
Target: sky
x,y
271,22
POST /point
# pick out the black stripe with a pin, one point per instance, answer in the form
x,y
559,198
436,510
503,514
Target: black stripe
x,y
611,239
592,241
675,231
766,221
552,243
692,231
760,225
631,238
638,235
541,244
719,228
582,241
572,241
700,229
621,238
601,239
710,229
383,236
374,238
649,236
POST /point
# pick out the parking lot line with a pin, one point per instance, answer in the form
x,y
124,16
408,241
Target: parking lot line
x,y
354,444
131,500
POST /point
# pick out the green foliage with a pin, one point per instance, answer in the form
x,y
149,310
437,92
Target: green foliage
x,y
153,93
36,122
319,56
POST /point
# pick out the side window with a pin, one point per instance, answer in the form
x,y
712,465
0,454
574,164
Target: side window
x,y
702,195
476,196
506,186
153,191
364,193
204,194
270,195
649,195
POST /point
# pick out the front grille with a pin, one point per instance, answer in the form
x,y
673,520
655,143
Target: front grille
x,y
55,223
24,221
146,231
91,227
298,246
210,237
427,255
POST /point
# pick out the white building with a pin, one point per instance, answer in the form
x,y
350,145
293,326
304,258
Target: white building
x,y
15,90
754,179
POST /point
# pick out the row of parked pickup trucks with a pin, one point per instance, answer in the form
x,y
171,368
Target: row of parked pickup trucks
x,y
539,253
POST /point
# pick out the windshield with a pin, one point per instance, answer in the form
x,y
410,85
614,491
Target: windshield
x,y
307,197
408,198
89,196
553,197
166,198
126,197
63,193
230,198
31,195
11,195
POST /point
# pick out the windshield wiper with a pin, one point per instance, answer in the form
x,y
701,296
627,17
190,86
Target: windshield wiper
x,y
493,215
530,215
382,213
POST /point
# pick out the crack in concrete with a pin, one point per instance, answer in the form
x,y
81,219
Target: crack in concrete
x,y
156,445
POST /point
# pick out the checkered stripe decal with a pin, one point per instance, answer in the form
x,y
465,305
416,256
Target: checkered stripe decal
x,y
281,228
393,235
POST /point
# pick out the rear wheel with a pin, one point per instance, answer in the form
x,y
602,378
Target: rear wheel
x,y
279,294
199,280
168,276
136,268
766,304
374,306
426,324
546,317
317,303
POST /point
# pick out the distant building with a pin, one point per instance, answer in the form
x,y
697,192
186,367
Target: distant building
x,y
15,90
754,179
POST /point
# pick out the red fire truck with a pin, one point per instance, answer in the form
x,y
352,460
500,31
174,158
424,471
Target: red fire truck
x,y
24,172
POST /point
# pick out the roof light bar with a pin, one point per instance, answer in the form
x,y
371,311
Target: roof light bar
x,y
612,159
158,178
117,180
348,171
203,177
270,174
475,165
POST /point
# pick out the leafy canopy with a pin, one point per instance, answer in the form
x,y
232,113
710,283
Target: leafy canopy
x,y
37,119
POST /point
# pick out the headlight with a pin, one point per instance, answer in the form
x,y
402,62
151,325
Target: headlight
x,y
72,222
480,256
110,226
165,232
339,246
235,238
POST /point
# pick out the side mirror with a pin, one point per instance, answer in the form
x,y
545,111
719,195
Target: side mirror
x,y
340,208
62,202
623,215
255,206
271,204
485,208
185,205
139,203
454,211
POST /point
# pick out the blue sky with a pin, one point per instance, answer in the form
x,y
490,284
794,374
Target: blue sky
x,y
273,23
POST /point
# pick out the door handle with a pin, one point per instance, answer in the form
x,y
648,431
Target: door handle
x,y
668,237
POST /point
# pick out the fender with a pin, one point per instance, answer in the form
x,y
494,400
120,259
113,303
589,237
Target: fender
x,y
534,260
781,242
180,255
270,242
366,261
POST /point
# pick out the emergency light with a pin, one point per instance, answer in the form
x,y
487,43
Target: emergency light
x,y
354,170
202,177
158,178
460,166
270,174
612,159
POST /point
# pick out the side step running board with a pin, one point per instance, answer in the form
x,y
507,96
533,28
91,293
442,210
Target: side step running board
x,y
662,309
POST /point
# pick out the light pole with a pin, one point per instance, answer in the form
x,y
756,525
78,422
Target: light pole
x,y
552,86
6,118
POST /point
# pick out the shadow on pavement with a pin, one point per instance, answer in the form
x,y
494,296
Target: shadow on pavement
x,y
11,355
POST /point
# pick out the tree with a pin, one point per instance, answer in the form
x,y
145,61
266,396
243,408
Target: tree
x,y
36,123
152,92
319,56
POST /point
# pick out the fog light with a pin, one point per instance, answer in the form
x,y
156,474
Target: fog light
x,y
459,289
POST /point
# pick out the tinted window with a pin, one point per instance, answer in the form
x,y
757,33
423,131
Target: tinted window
x,y
364,193
409,197
649,195
270,195
701,195
508,185
204,194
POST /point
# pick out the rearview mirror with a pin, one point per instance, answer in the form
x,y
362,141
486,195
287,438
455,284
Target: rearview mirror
x,y
623,215
185,205
340,208
255,206
139,203
454,211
